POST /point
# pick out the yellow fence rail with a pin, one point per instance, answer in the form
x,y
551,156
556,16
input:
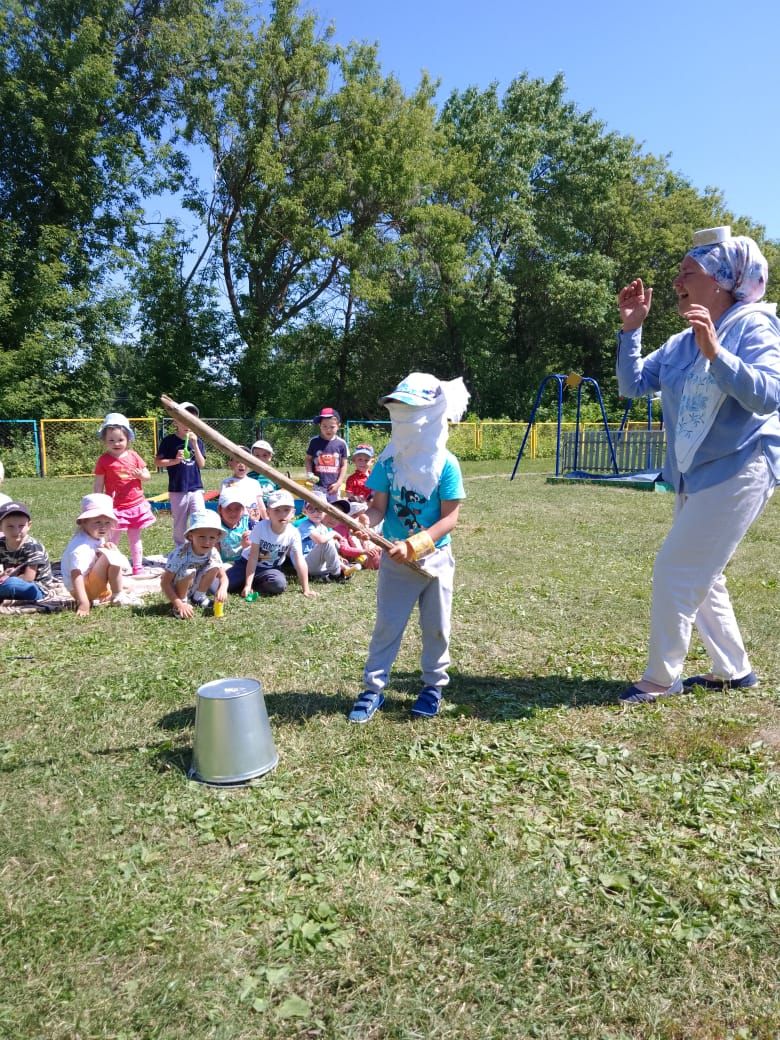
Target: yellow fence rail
x,y
70,447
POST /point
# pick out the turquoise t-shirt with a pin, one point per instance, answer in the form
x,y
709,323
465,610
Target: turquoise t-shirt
x,y
408,511
230,546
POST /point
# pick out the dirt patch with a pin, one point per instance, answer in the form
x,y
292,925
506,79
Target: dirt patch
x,y
770,735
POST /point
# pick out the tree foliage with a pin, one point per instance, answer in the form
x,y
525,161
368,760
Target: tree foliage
x,y
84,90
345,233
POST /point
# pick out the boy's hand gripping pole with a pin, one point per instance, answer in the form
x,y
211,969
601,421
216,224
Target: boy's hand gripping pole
x,y
230,449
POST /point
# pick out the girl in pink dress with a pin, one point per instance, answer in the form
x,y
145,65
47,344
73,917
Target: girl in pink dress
x,y
119,472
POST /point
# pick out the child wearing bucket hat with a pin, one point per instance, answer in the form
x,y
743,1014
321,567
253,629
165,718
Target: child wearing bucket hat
x,y
236,523
119,472
240,482
191,569
417,491
91,564
327,454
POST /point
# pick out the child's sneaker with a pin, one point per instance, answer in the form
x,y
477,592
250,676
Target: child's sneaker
x,y
428,703
199,599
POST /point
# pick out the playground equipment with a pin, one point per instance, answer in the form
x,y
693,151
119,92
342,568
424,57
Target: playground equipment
x,y
626,456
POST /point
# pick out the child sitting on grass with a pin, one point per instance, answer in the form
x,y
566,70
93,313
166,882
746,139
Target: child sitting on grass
x,y
241,483
352,547
236,525
91,563
263,452
271,541
320,547
355,487
25,570
191,568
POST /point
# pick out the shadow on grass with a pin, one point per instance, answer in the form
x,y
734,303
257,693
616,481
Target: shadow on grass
x,y
285,707
168,759
477,696
498,699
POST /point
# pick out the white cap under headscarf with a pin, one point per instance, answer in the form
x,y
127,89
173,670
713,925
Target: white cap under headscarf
x,y
420,408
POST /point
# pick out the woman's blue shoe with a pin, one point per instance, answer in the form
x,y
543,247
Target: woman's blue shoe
x,y
706,683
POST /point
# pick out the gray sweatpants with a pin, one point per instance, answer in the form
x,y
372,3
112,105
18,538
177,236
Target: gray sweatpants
x,y
398,589
323,559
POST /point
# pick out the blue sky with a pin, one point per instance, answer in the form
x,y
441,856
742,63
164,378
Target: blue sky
x,y
690,80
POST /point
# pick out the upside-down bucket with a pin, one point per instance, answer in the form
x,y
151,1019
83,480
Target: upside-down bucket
x,y
233,740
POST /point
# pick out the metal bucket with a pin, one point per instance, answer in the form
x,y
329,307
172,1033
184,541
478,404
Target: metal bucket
x,y
233,739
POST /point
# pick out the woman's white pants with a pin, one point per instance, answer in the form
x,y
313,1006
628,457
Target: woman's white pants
x,y
688,583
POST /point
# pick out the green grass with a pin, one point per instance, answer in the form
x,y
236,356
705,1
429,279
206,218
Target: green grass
x,y
534,863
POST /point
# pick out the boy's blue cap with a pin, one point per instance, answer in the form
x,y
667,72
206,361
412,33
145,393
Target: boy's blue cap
x,y
208,521
364,449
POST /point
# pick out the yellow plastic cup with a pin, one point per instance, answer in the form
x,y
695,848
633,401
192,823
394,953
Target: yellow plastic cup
x,y
219,609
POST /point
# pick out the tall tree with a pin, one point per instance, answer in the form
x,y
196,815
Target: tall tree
x,y
309,179
84,89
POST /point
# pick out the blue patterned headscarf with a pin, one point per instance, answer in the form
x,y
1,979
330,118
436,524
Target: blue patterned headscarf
x,y
737,265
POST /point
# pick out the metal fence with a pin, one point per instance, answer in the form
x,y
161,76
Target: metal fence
x,y
634,451
20,448
239,431
542,441
70,447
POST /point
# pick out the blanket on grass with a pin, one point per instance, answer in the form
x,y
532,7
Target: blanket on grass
x,y
59,598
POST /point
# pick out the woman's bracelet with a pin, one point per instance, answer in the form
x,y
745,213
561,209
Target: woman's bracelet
x,y
420,544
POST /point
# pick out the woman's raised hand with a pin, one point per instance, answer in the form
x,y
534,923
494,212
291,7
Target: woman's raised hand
x,y
703,330
634,302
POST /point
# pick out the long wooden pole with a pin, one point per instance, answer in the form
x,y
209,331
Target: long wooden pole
x,y
235,451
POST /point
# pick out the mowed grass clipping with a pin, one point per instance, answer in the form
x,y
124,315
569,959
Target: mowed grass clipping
x,y
536,862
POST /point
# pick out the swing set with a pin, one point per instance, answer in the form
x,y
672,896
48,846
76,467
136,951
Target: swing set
x,y
623,457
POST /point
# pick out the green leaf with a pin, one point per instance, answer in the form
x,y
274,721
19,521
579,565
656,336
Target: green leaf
x,y
615,882
294,1007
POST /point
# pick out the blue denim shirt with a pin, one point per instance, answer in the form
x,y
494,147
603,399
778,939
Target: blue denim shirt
x,y
747,370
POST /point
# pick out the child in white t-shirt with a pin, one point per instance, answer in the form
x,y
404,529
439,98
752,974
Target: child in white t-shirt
x,y
271,541
91,564
241,483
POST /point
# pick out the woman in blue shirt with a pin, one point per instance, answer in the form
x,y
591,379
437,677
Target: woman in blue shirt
x,y
720,384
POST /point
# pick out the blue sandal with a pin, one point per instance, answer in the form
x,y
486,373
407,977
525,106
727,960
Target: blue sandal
x,y
366,706
428,703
